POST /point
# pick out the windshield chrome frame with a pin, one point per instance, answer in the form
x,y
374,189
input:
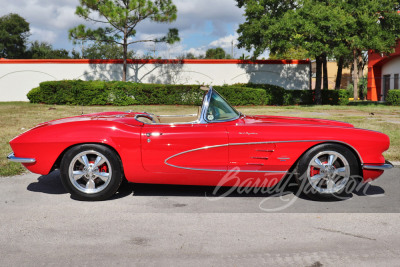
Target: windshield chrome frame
x,y
206,104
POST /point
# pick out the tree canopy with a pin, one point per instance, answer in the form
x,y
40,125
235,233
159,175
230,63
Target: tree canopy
x,y
217,53
14,31
120,19
98,50
325,29
44,50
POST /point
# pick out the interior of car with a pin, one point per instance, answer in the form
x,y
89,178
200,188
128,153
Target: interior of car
x,y
216,109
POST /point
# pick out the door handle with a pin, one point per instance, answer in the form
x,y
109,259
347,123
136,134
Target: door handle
x,y
153,134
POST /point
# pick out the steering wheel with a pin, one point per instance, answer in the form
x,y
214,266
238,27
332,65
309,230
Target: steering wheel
x,y
214,112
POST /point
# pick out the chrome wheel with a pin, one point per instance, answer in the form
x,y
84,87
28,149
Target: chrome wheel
x,y
90,172
328,172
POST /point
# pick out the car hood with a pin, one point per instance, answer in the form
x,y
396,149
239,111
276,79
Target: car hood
x,y
259,119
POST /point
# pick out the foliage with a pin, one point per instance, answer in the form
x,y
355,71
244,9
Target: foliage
x,y
323,28
393,97
335,97
121,18
98,50
217,53
43,50
363,88
291,53
14,31
188,56
242,96
78,92
350,89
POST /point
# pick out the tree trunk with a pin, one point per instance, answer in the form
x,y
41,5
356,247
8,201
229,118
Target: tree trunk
x,y
360,73
355,73
318,62
325,70
125,46
339,73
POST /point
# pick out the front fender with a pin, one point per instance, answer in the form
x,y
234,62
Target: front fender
x,y
48,142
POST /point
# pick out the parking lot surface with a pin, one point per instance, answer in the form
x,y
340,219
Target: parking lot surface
x,y
179,225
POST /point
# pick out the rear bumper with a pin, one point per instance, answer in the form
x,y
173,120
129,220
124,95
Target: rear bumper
x,y
382,167
13,158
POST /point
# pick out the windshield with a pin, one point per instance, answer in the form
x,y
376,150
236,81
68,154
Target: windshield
x,y
220,110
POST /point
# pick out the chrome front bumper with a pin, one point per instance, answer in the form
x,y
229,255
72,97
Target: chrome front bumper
x,y
382,167
13,158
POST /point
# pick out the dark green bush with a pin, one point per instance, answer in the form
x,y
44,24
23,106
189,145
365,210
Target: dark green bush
x,y
335,97
240,96
78,92
393,97
277,95
35,95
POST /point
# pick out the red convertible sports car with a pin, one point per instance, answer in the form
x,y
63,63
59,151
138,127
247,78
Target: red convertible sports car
x,y
95,152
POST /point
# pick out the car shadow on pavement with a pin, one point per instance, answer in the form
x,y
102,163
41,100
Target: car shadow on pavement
x,y
134,189
48,184
362,190
369,190
51,184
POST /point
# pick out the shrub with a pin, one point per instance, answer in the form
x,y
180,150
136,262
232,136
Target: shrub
x,y
78,92
35,95
335,97
393,97
240,96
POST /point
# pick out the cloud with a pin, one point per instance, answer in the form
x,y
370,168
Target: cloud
x,y
225,42
43,35
202,24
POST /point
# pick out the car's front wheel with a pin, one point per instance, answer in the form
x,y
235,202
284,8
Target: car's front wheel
x,y
91,172
327,171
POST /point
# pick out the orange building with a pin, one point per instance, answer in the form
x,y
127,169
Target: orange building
x,y
383,73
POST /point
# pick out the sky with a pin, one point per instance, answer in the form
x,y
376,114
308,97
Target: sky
x,y
202,24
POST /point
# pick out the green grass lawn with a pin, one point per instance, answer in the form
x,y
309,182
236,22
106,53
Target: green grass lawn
x,y
17,117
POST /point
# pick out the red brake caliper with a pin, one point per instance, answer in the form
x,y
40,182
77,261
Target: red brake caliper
x,y
315,171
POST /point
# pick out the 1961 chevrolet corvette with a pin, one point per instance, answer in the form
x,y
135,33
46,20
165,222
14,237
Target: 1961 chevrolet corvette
x,y
95,152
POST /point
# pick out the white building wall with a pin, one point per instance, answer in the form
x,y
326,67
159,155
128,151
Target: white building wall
x,y
17,78
391,68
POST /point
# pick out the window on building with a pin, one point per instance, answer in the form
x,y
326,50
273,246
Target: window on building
x,y
396,81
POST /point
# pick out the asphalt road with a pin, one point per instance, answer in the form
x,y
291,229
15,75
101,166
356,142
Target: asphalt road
x,y
153,225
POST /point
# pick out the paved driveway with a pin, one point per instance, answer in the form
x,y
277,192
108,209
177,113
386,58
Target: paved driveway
x,y
180,225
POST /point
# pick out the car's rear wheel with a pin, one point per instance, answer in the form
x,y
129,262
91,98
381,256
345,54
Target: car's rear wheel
x,y
327,171
91,172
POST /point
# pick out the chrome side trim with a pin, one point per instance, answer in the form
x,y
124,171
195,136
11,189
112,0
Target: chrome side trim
x,y
259,158
255,164
238,144
13,158
383,167
211,170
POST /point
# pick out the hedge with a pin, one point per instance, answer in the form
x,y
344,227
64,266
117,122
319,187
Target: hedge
x,y
78,92
241,96
393,97
277,95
